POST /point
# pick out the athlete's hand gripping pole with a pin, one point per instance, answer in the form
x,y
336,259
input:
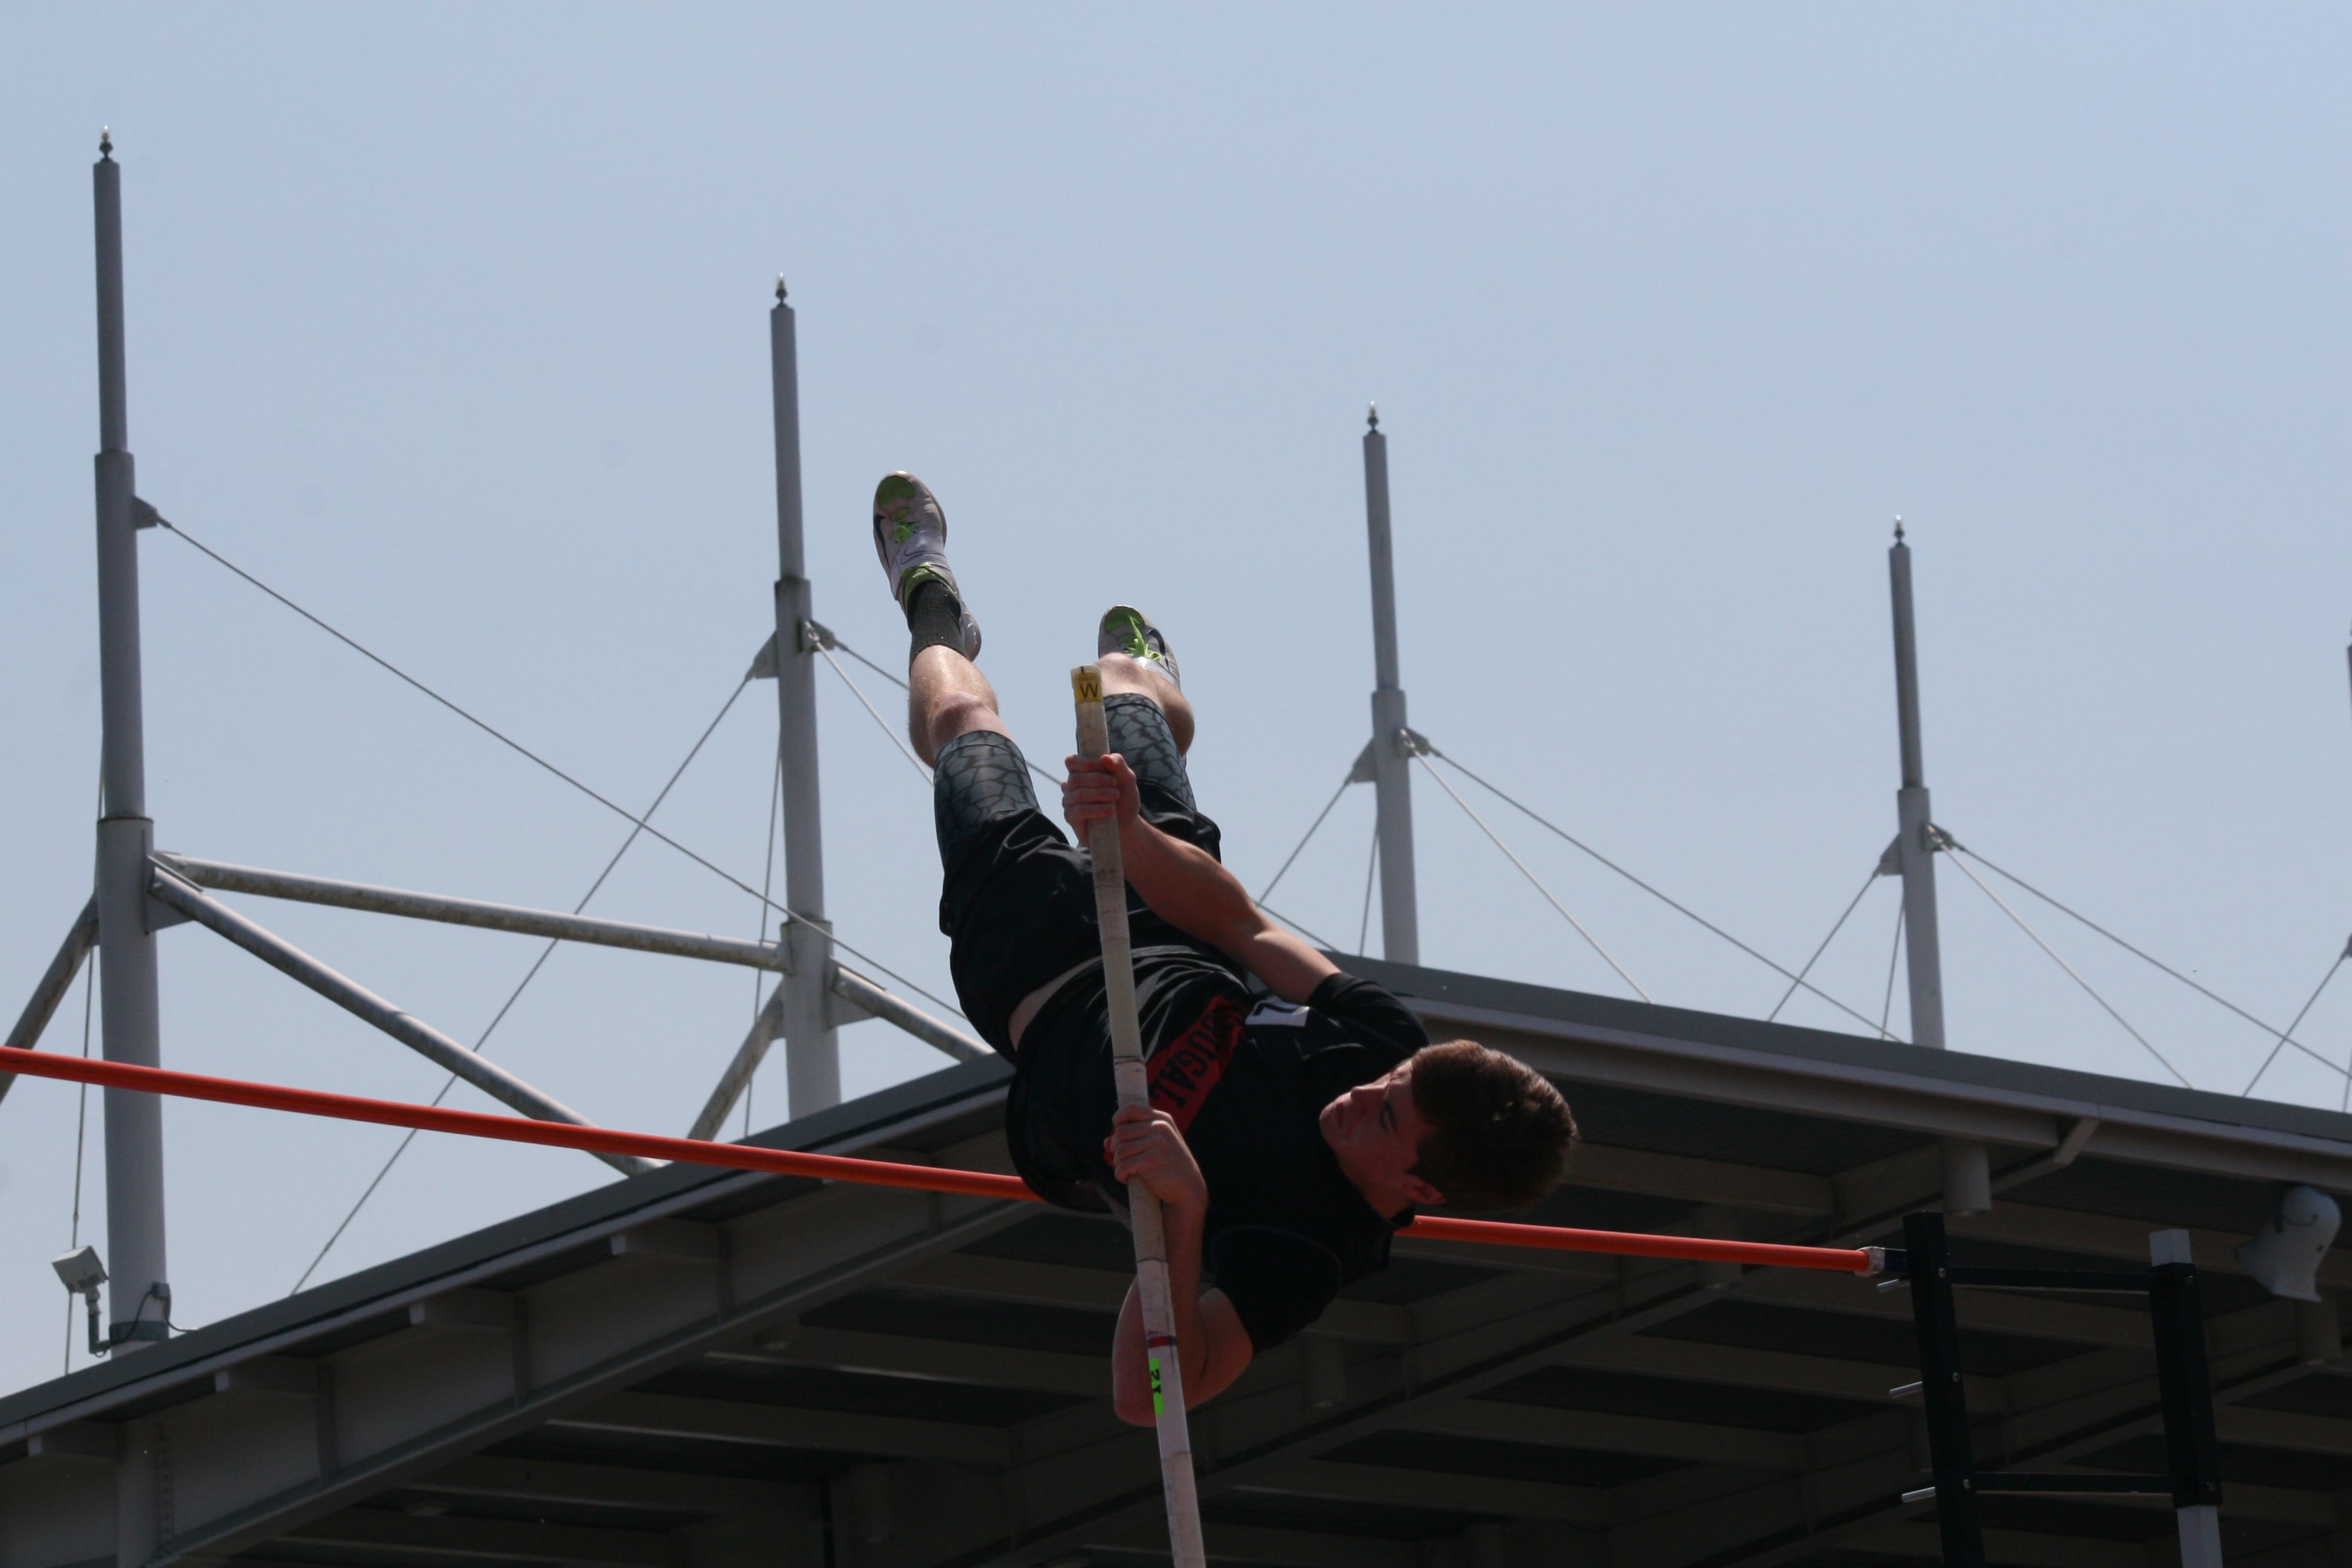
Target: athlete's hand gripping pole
x,y
1166,1366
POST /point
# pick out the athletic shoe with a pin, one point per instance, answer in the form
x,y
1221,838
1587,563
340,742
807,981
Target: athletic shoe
x,y
1125,629
910,535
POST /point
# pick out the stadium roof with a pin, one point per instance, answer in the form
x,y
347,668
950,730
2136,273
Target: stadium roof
x,y
700,1367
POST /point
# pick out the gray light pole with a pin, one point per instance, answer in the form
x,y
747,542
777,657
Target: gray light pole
x,y
1391,740
1968,1180
138,1297
811,1049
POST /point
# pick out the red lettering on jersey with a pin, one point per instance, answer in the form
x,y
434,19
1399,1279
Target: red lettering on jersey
x,y
1188,1066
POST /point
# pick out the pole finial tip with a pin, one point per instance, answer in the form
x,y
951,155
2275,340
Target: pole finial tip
x,y
1372,417
105,142
1898,527
780,287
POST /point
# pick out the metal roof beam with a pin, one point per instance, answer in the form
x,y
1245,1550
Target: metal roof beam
x,y
617,1486
2116,1235
1997,1312
1619,1170
424,1539
1337,1481
1511,1422
2203,1135
942,1361
786,1427
1007,1279
2027,1549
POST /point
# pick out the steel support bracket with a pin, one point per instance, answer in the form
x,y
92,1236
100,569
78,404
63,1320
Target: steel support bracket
x,y
814,635
160,916
1409,742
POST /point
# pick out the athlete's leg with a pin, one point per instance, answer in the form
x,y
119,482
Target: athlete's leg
x,y
1015,899
1136,659
947,696
1149,720
1123,674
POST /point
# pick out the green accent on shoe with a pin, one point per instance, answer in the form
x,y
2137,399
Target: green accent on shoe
x,y
895,487
914,575
1125,622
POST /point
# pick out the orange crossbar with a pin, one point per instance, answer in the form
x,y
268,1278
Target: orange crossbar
x,y
842,1168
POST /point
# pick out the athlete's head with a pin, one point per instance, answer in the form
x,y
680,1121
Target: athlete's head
x,y
1499,1133
1456,1124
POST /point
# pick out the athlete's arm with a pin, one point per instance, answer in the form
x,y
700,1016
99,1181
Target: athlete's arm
x,y
1186,887
1145,1144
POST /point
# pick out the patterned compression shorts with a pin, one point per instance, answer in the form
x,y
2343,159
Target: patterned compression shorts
x,y
1018,898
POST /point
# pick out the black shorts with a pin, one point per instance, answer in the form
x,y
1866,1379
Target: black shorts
x,y
1018,899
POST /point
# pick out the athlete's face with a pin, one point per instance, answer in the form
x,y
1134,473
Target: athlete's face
x,y
1376,1130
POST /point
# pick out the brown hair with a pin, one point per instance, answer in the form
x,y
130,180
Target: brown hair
x,y
1499,1135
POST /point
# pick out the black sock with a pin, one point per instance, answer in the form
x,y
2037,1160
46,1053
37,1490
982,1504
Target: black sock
x,y
935,616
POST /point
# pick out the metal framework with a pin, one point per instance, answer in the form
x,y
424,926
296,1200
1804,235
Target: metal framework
x,y
720,1368
710,1368
138,893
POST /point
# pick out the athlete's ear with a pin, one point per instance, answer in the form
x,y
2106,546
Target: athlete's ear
x,y
1421,1194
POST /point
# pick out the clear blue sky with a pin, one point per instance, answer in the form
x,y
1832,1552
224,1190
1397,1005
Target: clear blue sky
x,y
451,322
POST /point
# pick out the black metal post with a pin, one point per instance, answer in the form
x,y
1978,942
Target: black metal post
x,y
1949,1452
2192,1452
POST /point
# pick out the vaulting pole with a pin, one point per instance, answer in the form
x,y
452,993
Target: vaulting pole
x,y
1161,1350
1967,1176
138,1298
812,1048
1390,753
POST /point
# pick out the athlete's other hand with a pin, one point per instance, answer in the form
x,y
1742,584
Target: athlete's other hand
x,y
1146,1144
1099,789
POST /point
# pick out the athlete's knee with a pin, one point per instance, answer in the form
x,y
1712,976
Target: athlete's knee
x,y
1126,676
952,714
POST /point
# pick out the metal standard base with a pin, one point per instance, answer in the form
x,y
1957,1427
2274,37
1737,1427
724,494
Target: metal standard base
x,y
2193,1479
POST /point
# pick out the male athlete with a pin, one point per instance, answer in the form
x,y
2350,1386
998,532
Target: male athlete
x,y
1287,1140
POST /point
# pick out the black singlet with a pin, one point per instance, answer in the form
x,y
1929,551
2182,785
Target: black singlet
x,y
1246,1079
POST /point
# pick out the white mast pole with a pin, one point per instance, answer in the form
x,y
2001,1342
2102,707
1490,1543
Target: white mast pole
x,y
1390,749
812,1047
1967,1179
138,1298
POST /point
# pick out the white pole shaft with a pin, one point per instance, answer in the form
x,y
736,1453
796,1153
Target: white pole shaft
x,y
812,1048
131,1030
1914,818
1391,763
1966,1163
1166,1364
